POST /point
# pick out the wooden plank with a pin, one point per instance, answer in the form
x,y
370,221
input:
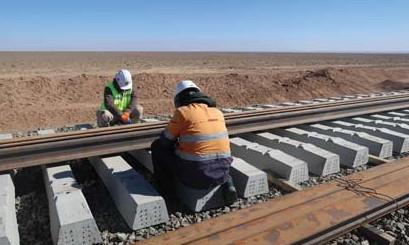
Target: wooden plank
x,y
375,235
283,184
374,160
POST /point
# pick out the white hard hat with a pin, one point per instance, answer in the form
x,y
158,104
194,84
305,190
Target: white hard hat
x,y
183,85
124,79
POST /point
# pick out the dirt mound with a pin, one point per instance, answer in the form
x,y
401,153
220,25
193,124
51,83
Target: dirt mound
x,y
394,84
48,101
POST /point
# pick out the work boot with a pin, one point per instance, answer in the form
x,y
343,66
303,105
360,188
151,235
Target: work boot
x,y
229,191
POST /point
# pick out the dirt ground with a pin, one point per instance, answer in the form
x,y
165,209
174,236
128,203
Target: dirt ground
x,y
50,89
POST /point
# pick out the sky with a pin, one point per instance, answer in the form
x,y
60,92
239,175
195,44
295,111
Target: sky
x,y
380,26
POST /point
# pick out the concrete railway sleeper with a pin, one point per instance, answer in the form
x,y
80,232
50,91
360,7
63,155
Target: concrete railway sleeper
x,y
270,161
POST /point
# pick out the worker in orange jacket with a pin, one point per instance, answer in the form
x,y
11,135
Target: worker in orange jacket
x,y
195,145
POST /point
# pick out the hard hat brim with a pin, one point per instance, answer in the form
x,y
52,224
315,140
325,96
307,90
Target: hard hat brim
x,y
129,86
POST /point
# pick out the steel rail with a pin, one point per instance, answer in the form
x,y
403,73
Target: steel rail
x,y
365,218
38,150
311,216
228,116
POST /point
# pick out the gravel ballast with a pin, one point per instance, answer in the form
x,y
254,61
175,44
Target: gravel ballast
x,y
33,218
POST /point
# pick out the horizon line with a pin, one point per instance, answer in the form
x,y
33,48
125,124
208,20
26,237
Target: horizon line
x,y
211,51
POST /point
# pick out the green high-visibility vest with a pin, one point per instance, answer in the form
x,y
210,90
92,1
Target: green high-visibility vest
x,y
121,98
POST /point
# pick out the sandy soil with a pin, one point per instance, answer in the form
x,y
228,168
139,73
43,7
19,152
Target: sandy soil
x,y
54,89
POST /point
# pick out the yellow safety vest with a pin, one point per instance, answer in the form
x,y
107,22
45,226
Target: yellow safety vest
x,y
121,98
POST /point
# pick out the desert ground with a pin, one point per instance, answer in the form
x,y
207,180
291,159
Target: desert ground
x,y
51,89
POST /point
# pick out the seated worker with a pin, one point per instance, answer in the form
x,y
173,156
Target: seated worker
x,y
195,145
120,102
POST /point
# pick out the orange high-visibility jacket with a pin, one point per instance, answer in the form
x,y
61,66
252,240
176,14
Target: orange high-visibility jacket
x,y
200,131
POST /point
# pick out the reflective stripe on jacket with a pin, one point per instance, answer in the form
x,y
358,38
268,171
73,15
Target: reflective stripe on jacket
x,y
200,131
122,99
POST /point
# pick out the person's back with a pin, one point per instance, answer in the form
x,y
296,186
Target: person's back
x,y
195,144
203,145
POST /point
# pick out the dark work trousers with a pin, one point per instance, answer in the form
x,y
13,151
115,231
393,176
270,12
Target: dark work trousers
x,y
165,166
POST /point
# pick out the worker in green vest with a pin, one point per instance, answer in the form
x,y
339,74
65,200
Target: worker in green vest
x,y
120,102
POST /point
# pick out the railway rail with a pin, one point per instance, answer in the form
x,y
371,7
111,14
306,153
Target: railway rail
x,y
312,216
40,150
309,216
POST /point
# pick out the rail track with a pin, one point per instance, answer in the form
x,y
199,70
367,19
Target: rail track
x,y
40,150
309,216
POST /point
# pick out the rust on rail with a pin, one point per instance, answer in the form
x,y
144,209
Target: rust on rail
x,y
31,151
310,216
229,118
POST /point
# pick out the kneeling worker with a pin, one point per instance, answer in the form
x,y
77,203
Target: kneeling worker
x,y
120,102
195,145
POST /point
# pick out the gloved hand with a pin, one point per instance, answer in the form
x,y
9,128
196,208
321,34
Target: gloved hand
x,y
125,119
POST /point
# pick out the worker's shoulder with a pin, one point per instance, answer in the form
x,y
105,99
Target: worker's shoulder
x,y
110,85
192,107
195,108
